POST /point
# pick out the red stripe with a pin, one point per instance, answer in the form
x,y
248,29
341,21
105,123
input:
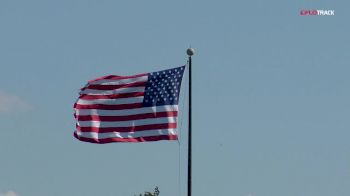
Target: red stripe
x,y
138,139
114,77
114,87
113,96
126,117
126,129
108,107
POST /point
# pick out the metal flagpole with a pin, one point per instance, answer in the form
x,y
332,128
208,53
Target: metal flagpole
x,y
190,52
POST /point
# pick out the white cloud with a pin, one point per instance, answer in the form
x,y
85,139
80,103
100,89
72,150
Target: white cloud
x,y
8,193
12,104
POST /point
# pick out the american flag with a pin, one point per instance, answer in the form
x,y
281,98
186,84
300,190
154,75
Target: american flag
x,y
136,108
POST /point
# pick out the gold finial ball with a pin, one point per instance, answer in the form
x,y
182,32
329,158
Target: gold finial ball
x,y
190,51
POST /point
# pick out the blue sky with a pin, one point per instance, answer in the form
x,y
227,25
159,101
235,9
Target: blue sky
x,y
270,96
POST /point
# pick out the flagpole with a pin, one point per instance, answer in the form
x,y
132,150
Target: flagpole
x,y
190,52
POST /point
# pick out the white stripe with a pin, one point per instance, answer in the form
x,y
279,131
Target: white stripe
x,y
136,134
111,101
121,81
130,123
111,92
165,108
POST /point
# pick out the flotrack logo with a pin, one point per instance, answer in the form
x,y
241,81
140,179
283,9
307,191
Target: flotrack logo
x,y
317,12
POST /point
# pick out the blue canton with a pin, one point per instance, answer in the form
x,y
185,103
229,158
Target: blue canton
x,y
163,87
